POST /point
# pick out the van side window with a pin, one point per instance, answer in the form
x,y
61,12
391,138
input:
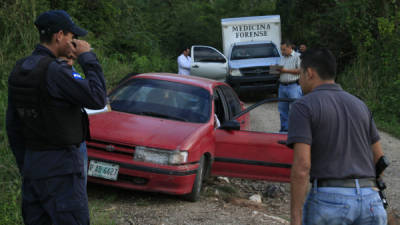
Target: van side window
x,y
206,54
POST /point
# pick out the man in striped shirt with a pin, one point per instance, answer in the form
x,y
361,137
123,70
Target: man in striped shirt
x,y
288,81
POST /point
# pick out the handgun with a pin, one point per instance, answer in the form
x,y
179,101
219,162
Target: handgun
x,y
380,166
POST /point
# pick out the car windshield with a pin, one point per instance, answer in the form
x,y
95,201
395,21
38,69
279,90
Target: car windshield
x,y
162,99
254,51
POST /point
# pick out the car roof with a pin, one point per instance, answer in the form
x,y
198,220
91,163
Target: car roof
x,y
184,79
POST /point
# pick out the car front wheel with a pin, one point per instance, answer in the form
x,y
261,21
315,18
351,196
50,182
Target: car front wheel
x,y
195,194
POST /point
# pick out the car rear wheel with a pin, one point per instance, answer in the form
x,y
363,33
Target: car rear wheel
x,y
198,182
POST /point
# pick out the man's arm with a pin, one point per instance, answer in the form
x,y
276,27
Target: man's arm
x,y
299,178
64,83
293,71
14,129
377,151
185,64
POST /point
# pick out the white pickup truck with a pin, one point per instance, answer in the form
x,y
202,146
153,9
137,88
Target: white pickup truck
x,y
251,47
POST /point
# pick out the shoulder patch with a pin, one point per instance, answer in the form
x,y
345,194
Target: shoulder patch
x,y
76,75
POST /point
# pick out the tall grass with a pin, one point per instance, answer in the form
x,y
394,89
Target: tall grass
x,y
17,39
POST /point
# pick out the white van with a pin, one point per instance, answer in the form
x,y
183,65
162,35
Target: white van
x,y
251,46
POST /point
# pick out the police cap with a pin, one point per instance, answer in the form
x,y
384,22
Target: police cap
x,y
55,20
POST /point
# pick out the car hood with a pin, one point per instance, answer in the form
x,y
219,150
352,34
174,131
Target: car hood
x,y
131,129
244,63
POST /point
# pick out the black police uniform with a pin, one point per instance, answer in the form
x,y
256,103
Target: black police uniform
x,y
54,190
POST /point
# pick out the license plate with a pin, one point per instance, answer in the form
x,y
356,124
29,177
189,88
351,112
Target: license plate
x,y
103,170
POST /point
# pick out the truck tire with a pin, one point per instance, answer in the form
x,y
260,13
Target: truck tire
x,y
198,182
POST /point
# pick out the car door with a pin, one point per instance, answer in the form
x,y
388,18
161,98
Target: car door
x,y
254,155
208,62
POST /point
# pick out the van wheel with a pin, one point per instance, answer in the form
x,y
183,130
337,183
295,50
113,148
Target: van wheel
x,y
198,182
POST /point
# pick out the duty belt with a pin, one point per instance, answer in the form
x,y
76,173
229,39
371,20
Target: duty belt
x,y
346,183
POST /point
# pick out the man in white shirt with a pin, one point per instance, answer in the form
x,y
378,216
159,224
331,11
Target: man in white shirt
x,y
184,62
288,81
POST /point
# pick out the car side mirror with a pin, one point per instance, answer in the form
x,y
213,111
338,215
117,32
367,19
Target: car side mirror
x,y
230,125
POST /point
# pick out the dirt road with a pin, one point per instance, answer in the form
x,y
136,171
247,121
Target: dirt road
x,y
222,202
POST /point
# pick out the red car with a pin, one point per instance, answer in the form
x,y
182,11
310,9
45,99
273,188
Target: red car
x,y
166,132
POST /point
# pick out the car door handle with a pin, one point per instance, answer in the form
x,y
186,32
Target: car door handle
x,y
282,142
195,66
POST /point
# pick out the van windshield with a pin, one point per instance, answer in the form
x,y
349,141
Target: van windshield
x,y
266,50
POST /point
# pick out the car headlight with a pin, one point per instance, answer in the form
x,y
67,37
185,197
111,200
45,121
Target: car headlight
x,y
235,72
160,156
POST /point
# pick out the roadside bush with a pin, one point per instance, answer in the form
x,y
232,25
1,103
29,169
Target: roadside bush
x,y
375,74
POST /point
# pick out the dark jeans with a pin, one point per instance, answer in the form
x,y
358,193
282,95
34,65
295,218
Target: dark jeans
x,y
55,201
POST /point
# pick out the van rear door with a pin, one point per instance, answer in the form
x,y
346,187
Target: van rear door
x,y
208,62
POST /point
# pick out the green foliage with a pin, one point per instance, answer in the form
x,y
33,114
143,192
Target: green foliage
x,y
364,36
375,74
18,38
10,188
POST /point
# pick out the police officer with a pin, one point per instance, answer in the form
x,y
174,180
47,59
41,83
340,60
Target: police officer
x,y
46,123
